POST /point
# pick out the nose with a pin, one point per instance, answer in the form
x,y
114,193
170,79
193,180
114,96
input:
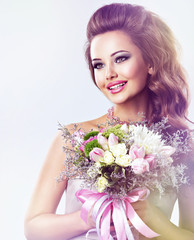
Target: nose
x,y
110,73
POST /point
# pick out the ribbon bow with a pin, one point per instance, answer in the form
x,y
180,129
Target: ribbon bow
x,y
121,209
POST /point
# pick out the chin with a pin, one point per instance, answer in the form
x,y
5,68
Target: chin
x,y
120,100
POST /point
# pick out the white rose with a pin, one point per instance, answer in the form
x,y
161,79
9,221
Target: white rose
x,y
97,164
102,183
123,161
108,158
119,149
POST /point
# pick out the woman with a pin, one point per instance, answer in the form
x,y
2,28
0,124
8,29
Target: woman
x,y
133,60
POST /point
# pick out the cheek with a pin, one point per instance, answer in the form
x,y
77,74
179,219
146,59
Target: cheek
x,y
130,70
127,70
99,79
138,73
134,68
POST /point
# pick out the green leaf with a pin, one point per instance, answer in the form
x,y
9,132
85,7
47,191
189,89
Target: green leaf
x,y
89,146
90,134
117,131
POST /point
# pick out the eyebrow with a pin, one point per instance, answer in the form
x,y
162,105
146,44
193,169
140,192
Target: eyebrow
x,y
96,59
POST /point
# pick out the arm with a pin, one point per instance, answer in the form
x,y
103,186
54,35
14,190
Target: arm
x,y
186,208
159,223
186,197
42,222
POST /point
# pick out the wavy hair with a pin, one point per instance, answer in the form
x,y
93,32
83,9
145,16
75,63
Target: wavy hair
x,y
167,86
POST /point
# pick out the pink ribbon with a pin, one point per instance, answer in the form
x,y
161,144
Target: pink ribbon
x,y
105,206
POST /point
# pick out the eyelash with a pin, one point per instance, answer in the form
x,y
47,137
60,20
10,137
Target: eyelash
x,y
124,58
121,57
96,65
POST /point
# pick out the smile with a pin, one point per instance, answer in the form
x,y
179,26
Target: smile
x,y
116,86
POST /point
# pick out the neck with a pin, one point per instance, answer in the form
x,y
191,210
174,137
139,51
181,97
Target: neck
x,y
132,110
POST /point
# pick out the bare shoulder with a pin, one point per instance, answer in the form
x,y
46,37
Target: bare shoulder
x,y
59,142
47,187
93,124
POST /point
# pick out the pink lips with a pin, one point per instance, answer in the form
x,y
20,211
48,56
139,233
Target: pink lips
x,y
118,89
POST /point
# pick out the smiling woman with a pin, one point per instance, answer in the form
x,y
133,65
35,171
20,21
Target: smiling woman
x,y
120,72
131,54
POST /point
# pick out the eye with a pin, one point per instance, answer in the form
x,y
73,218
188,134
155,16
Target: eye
x,y
98,65
121,59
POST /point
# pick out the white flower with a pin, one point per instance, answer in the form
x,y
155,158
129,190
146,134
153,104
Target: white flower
x,y
103,141
170,160
108,158
140,165
119,149
125,128
142,136
102,183
97,164
131,128
112,140
123,161
96,154
92,172
167,151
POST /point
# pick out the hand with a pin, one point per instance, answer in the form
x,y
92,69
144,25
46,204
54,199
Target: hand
x,y
150,215
91,223
90,220
144,210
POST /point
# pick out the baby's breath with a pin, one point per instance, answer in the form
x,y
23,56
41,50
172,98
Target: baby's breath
x,y
113,174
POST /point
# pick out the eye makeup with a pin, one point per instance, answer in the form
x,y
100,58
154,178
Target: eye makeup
x,y
98,65
121,58
118,57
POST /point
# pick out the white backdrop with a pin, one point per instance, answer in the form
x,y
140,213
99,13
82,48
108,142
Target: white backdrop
x,y
44,80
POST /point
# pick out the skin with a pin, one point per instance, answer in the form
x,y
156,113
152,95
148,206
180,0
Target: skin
x,y
41,221
116,58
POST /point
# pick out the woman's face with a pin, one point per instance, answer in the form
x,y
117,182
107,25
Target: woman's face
x,y
119,69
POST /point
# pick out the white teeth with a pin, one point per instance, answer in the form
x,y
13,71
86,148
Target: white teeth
x,y
117,86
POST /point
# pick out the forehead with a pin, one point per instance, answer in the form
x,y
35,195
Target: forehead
x,y
110,42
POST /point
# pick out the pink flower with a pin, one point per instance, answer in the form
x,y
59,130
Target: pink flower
x,y
103,141
81,148
85,142
140,165
151,160
96,154
167,151
112,140
136,152
102,130
77,137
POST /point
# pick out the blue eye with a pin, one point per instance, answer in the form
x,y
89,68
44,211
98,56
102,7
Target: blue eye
x,y
98,65
121,59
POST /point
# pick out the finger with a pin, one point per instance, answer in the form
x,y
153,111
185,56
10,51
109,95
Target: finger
x,y
138,205
112,228
130,224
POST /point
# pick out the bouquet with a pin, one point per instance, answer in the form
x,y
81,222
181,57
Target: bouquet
x,y
120,165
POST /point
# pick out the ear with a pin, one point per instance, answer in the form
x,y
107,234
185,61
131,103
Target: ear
x,y
150,70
